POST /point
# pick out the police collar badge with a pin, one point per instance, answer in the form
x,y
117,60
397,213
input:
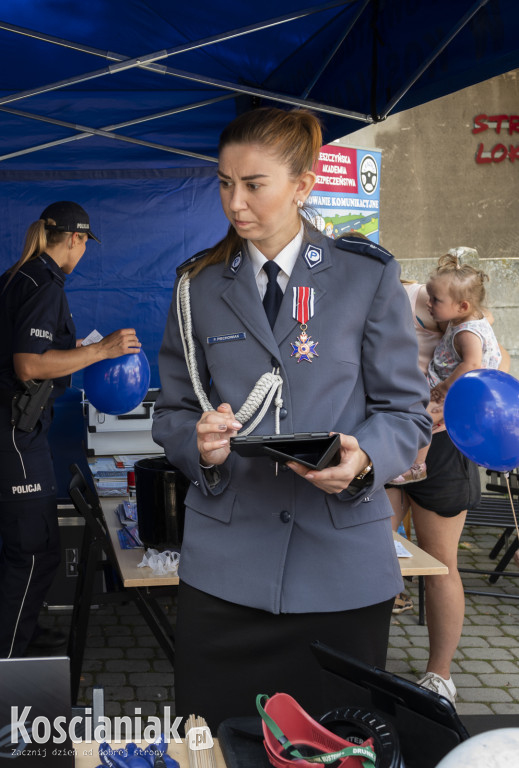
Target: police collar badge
x,y
302,310
236,262
313,255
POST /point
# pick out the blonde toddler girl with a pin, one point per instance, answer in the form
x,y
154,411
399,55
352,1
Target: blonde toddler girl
x,y
456,297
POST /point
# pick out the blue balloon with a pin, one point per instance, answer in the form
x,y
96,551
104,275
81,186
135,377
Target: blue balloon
x,y
481,414
117,385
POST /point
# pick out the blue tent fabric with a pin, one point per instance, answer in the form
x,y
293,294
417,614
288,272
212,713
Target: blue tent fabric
x,y
353,56
119,104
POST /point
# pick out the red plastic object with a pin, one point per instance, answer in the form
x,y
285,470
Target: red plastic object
x,y
131,481
300,728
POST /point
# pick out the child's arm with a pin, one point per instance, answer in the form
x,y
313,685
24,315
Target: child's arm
x,y
469,348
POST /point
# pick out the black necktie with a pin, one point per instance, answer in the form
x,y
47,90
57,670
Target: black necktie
x,y
273,294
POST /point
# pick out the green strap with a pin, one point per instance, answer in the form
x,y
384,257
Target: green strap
x,y
325,757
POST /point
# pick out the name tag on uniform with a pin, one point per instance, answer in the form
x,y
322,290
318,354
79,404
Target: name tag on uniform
x,y
226,337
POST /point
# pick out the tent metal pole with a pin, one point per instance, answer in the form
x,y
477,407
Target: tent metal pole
x,y
434,55
86,131
225,85
59,41
271,95
239,32
334,50
169,112
106,128
148,60
107,132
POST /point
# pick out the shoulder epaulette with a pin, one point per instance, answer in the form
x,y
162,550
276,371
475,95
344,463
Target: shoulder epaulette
x,y
359,245
189,262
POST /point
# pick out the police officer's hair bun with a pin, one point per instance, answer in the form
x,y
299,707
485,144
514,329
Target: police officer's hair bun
x,y
295,135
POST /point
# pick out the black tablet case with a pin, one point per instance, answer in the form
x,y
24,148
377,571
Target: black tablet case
x,y
316,450
428,725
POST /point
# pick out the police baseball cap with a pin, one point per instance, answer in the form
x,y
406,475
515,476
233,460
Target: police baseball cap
x,y
68,217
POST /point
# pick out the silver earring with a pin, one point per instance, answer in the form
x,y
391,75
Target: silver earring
x,y
299,203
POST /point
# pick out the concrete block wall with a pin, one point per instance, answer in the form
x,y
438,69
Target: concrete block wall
x,y
434,195
502,296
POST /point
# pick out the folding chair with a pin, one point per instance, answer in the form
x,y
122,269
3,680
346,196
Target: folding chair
x,y
495,510
97,552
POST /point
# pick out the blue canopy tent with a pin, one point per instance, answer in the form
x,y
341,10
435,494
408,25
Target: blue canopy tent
x,y
118,104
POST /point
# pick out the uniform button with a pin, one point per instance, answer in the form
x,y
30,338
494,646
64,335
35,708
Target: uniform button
x,y
285,516
283,413
274,363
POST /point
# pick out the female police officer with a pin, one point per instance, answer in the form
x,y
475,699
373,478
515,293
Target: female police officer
x,y
38,352
271,560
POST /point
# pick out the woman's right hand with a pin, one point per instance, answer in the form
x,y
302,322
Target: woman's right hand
x,y
214,431
121,342
54,363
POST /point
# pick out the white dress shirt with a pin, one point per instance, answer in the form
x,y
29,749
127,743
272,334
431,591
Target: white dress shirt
x,y
285,261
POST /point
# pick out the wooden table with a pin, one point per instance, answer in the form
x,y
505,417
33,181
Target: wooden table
x,y
419,564
128,559
177,751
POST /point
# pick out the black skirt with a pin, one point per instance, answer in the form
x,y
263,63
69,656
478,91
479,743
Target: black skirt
x,y
226,653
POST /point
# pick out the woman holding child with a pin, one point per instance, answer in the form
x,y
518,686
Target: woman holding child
x,y
454,337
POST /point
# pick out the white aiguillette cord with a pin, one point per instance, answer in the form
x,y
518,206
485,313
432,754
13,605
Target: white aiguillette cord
x,y
266,388
199,758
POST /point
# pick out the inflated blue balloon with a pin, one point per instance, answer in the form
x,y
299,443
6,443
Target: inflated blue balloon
x,y
481,414
119,384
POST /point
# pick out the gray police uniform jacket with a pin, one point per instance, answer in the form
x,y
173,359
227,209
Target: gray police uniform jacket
x,y
276,542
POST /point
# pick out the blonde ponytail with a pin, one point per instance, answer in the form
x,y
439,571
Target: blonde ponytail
x,y
37,238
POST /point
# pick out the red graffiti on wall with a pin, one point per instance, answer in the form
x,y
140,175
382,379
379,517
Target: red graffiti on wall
x,y
501,124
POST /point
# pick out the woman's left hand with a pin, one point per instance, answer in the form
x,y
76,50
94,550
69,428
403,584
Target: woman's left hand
x,y
335,479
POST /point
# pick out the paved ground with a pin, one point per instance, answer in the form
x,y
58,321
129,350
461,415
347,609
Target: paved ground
x,y
486,664
123,656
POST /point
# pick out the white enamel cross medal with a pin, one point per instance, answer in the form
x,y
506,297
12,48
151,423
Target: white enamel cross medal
x,y
303,309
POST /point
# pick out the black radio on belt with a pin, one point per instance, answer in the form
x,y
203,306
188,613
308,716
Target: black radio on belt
x,y
27,405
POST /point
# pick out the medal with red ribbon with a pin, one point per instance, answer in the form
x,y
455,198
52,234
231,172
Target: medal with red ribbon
x,y
303,309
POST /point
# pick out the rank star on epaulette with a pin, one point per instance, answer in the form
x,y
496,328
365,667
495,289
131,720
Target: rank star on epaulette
x,y
304,348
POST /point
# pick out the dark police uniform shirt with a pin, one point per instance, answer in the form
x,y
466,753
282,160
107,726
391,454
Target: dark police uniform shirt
x,y
34,317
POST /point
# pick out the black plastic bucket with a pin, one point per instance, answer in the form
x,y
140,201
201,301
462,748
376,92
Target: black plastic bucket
x,y
161,491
